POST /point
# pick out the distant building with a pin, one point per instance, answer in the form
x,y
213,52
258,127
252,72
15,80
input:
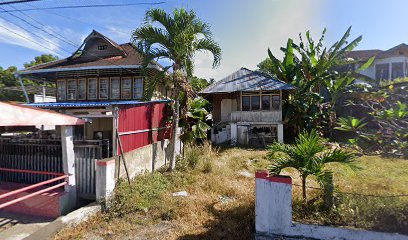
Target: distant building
x,y
247,108
388,65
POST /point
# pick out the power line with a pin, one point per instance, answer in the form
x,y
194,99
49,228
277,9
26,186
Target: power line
x,y
19,26
20,1
57,35
74,19
69,42
26,38
85,6
39,28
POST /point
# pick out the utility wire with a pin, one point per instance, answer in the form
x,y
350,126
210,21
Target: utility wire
x,y
39,28
28,39
61,38
75,19
19,1
85,6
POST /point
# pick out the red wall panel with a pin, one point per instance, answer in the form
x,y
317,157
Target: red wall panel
x,y
141,118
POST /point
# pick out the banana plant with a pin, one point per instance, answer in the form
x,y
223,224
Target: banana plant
x,y
195,125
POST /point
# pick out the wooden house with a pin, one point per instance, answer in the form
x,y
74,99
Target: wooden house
x,y
103,82
247,108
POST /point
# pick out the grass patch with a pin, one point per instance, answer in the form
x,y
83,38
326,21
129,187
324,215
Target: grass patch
x,y
221,199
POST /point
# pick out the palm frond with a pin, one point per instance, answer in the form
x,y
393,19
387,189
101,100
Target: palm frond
x,y
208,44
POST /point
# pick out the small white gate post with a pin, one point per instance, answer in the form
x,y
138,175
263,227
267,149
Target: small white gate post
x,y
234,134
68,157
280,133
273,206
105,181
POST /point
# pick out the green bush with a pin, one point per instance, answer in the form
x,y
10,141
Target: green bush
x,y
138,196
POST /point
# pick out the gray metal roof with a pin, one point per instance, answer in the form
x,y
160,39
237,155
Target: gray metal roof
x,y
247,80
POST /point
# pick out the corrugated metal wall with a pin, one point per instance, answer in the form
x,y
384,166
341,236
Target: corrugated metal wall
x,y
142,125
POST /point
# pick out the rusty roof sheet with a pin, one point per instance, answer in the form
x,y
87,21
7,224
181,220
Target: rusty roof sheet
x,y
247,80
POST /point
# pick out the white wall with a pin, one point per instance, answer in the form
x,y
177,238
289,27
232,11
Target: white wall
x,y
370,72
273,215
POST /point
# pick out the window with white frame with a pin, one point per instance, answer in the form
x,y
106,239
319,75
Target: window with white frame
x,y
115,88
103,88
102,47
382,71
82,88
397,70
62,90
126,87
138,88
72,89
92,88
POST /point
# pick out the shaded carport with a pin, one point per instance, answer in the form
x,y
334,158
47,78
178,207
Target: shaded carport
x,y
15,115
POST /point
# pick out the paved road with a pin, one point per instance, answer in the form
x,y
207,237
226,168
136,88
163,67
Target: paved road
x,y
18,226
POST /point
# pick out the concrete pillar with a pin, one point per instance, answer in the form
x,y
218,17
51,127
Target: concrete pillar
x,y
280,133
273,206
234,134
105,180
68,156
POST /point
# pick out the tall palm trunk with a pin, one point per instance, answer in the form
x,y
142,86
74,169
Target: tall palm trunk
x,y
176,116
304,189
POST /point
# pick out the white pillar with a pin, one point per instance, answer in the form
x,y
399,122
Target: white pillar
x,y
68,156
105,181
234,134
273,204
280,133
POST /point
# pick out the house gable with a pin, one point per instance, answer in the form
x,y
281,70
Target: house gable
x,y
97,46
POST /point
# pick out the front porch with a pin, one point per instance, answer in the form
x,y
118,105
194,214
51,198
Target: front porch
x,y
256,116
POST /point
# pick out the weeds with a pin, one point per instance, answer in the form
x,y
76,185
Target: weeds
x,y
197,157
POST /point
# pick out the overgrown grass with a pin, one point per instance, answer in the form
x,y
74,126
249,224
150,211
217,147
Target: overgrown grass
x,y
361,196
221,199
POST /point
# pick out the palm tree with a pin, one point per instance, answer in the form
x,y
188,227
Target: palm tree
x,y
308,156
176,37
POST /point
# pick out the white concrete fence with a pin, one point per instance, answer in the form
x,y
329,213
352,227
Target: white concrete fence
x,y
273,215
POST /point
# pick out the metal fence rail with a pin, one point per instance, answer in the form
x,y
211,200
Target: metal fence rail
x,y
46,156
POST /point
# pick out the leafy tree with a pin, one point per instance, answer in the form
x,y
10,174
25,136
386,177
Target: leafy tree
x,y
308,156
387,129
310,66
8,79
198,84
44,58
176,37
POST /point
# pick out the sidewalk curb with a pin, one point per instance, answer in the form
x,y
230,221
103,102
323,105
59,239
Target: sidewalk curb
x,y
69,220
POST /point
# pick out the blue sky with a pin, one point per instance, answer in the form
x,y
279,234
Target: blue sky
x,y
245,29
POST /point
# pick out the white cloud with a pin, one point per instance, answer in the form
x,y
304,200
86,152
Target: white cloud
x,y
250,29
14,35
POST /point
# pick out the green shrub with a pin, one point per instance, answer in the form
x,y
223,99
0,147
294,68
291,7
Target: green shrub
x,y
138,195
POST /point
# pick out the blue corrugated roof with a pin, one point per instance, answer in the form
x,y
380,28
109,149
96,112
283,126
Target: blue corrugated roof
x,y
247,80
90,104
